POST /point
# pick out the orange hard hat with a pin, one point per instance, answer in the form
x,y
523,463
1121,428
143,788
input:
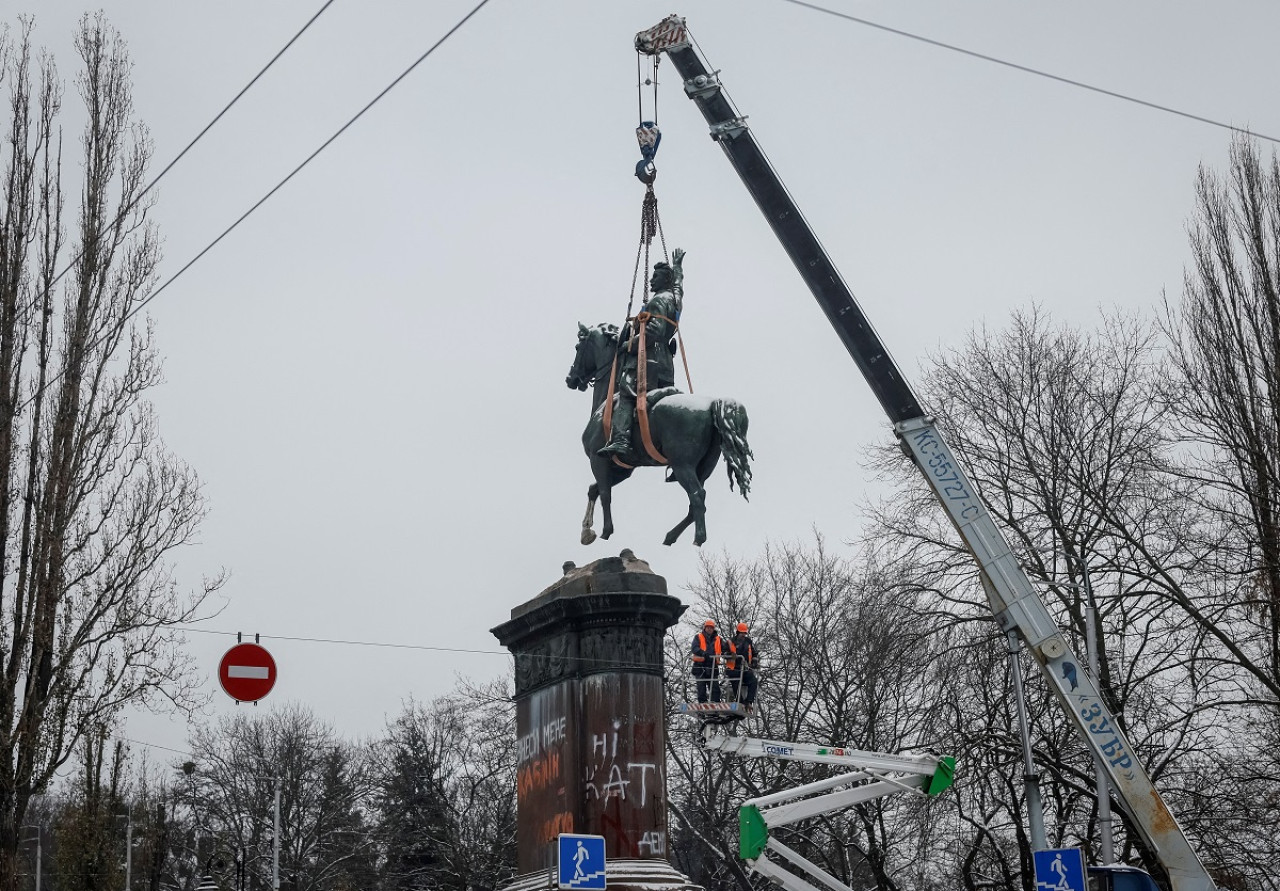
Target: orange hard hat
x,y
710,623
742,626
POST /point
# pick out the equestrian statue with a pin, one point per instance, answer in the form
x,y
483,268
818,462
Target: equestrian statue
x,y
640,419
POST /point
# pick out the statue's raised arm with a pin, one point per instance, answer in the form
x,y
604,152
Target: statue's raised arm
x,y
666,300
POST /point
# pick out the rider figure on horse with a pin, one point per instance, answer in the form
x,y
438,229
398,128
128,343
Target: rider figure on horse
x,y
660,314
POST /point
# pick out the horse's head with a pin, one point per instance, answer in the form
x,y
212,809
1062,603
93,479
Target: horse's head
x,y
594,354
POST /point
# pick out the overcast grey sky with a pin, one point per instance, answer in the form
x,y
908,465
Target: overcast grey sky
x,y
369,373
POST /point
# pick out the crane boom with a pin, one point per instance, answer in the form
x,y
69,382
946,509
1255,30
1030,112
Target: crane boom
x,y
1014,602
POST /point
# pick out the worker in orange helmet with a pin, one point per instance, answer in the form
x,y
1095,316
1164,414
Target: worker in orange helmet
x,y
708,648
741,666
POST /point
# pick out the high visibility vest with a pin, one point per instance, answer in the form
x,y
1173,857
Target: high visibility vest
x,y
733,662
702,647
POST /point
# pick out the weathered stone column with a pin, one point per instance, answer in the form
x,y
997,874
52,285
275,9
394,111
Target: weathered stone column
x,y
590,725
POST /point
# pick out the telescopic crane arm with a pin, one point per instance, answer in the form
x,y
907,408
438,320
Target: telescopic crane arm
x,y
1014,601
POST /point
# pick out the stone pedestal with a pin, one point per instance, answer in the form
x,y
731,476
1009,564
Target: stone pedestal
x,y
590,726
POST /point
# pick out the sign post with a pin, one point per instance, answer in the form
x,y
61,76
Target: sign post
x,y
581,862
247,672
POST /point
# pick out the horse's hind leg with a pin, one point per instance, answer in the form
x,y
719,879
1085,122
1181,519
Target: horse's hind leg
x,y
588,519
687,477
679,528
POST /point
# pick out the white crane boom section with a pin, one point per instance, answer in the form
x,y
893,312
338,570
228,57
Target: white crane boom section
x,y
872,775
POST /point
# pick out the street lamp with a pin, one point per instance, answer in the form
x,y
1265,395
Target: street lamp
x,y
127,816
275,842
1030,776
39,852
1103,785
189,769
1100,773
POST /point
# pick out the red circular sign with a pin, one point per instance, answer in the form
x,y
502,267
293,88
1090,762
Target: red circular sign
x,y
247,672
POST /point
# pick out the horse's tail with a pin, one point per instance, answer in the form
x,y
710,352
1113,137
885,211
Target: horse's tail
x,y
731,423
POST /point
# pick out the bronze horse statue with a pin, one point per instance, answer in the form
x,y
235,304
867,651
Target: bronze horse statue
x,y
689,431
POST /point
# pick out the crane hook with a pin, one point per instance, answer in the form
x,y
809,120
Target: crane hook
x,y
649,137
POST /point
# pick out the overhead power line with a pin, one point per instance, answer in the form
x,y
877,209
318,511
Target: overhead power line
x,y
352,643
263,200
209,126
577,660
1036,71
151,745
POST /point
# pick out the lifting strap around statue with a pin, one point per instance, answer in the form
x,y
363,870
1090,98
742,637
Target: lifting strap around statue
x,y
608,398
650,225
642,385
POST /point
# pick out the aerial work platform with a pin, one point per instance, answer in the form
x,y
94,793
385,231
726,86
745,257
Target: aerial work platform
x,y
726,709
871,775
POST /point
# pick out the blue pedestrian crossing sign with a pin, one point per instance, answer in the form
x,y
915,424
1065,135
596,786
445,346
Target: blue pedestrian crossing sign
x,y
1061,869
581,859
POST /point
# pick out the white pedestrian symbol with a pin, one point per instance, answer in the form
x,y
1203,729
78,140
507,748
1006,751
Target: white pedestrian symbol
x,y
1058,868
578,858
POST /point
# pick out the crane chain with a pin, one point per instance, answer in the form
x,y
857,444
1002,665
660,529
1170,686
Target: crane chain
x,y
650,225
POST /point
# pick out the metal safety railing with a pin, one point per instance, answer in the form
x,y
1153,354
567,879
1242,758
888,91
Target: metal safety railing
x,y
724,692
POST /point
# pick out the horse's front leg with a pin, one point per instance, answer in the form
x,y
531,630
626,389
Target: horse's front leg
x,y
606,507
607,476
687,477
588,519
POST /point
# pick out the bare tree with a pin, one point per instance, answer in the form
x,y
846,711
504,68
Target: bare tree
x,y
1067,435
445,777
1226,393
324,783
847,662
1139,484
91,503
88,848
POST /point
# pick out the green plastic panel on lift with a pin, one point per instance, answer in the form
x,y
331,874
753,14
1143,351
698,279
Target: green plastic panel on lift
x,y
753,835
943,777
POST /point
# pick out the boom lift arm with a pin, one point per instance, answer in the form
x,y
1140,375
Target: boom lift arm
x,y
870,775
1014,602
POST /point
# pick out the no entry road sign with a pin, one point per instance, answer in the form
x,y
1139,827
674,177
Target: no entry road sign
x,y
247,672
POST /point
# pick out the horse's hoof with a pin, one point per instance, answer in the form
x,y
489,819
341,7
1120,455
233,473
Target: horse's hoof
x,y
588,536
670,540
605,535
